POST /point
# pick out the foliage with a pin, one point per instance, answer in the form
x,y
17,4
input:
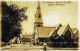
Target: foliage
x,y
12,15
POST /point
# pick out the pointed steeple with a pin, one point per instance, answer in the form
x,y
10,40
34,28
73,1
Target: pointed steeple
x,y
38,7
38,16
38,21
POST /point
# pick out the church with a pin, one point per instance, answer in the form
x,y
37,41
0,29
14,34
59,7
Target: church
x,y
57,33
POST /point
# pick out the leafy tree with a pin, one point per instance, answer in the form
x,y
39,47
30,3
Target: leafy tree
x,y
12,15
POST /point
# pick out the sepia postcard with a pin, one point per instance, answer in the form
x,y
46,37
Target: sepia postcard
x,y
39,25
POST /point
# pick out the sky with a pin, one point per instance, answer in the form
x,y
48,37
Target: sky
x,y
52,14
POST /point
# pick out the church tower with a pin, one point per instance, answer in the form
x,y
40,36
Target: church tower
x,y
38,16
38,22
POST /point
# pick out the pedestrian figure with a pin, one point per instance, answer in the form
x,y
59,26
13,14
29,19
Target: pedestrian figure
x,y
45,47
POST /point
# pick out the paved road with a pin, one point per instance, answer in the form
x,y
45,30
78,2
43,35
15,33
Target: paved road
x,y
31,48
35,50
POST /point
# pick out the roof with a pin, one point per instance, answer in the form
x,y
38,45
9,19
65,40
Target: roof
x,y
48,31
57,25
51,32
61,30
74,30
44,31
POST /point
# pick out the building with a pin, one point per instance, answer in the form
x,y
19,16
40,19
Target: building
x,y
57,33
40,30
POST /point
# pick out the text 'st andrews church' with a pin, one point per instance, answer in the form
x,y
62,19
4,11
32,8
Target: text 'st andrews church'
x,y
56,36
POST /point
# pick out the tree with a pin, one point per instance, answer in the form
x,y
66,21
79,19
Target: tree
x,y
12,15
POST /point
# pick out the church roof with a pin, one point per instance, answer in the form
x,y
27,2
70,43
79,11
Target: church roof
x,y
57,25
51,32
74,30
61,30
44,31
48,31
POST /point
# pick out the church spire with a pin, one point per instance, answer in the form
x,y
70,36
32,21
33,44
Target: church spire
x,y
38,7
38,16
38,22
